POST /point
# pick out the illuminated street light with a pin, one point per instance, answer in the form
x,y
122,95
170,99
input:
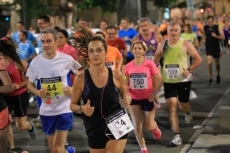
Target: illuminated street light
x,y
202,11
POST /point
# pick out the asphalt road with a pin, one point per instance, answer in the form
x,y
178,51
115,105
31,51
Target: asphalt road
x,y
207,98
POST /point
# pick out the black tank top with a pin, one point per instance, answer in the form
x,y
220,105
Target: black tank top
x,y
212,43
3,104
105,104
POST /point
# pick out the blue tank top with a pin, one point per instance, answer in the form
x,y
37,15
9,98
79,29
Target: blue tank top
x,y
151,44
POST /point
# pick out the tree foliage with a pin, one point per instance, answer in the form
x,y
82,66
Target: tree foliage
x,y
34,8
106,6
165,3
203,4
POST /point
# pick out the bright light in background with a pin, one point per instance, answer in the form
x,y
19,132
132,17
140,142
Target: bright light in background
x,y
7,19
6,1
166,13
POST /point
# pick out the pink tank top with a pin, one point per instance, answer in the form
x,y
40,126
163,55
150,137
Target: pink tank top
x,y
140,79
16,77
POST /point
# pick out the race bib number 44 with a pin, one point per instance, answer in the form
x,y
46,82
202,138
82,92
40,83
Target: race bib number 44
x,y
54,87
119,123
138,81
172,71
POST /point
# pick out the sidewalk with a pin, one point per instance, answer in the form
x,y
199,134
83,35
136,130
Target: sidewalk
x,y
215,137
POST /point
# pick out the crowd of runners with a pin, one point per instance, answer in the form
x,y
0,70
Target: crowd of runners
x,y
111,77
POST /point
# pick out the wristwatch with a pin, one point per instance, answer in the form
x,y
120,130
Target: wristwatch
x,y
190,71
155,92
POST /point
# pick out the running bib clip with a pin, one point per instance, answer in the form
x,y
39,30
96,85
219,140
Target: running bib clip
x,y
172,71
138,81
119,123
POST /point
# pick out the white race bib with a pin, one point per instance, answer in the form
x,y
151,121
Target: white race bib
x,y
149,57
172,71
110,65
119,123
138,81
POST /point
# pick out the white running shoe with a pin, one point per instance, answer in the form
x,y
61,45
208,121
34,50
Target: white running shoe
x,y
188,118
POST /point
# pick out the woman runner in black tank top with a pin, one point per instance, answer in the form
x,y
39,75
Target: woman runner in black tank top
x,y
99,87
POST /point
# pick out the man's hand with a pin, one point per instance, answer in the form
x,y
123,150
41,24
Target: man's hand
x,y
186,72
42,93
213,34
68,91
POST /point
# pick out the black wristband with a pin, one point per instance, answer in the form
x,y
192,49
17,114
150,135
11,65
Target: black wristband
x,y
190,71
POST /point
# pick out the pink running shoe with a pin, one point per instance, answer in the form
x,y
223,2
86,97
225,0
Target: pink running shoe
x,y
144,151
156,132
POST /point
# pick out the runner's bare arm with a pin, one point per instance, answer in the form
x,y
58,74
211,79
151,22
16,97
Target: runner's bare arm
x,y
7,84
158,53
31,88
157,81
119,63
157,34
135,39
77,90
221,36
24,78
119,82
193,53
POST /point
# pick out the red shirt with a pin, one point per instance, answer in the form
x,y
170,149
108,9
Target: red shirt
x,y
118,43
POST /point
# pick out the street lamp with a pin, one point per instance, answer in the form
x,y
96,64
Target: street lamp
x,y
202,13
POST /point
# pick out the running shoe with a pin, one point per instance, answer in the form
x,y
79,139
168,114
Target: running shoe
x,y
210,82
156,132
33,133
175,141
70,149
218,79
144,151
188,118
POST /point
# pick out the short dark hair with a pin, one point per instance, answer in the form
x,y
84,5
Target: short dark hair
x,y
64,32
44,17
25,33
104,21
126,18
99,38
21,22
210,17
111,27
100,33
57,28
82,19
